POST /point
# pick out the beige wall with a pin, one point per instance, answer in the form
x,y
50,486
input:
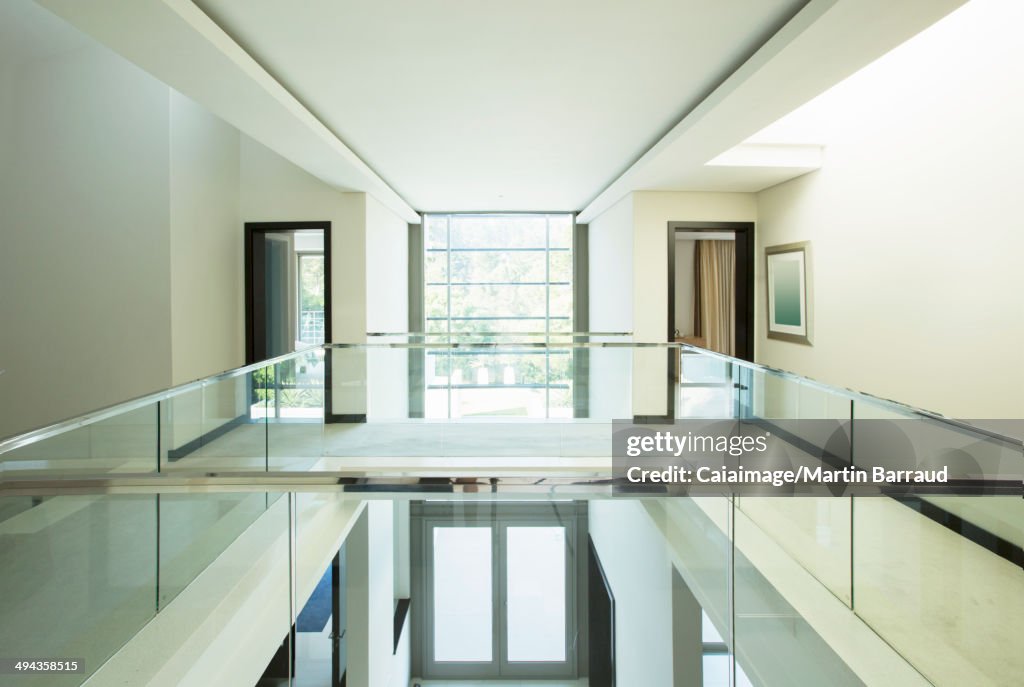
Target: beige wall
x,y
684,277
369,270
629,278
84,268
123,203
915,226
275,190
207,314
652,211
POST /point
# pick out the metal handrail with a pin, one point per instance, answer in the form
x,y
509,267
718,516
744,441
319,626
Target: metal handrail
x,y
457,334
61,426
91,417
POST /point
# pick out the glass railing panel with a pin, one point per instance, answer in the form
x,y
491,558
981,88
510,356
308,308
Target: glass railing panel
x,y
347,383
125,442
234,435
774,643
77,578
810,427
264,559
707,386
607,373
995,521
938,574
949,605
325,524
231,568
507,381
295,412
224,582
697,533
774,396
653,383
196,528
525,401
146,588
378,406
814,530
181,429
481,443
70,451
219,425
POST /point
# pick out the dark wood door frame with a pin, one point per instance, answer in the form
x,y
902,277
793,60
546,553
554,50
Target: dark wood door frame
x,y
744,289
254,250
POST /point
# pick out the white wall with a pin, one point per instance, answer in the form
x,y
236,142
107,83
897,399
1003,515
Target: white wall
x,y
639,571
370,613
84,266
401,662
610,275
915,225
207,312
610,270
387,309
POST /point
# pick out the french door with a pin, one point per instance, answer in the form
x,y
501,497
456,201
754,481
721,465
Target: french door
x,y
499,584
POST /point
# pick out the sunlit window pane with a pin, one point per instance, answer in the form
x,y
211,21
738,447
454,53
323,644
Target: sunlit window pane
x,y
497,266
435,267
709,634
561,266
561,231
491,277
536,593
436,230
463,627
716,670
498,231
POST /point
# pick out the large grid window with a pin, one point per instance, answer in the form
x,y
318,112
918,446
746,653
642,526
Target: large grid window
x,y
488,277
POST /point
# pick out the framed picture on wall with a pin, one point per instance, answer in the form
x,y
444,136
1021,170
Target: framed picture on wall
x,y
789,311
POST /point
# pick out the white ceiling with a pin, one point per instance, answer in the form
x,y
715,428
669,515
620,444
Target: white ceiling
x,y
481,105
718,147
463,105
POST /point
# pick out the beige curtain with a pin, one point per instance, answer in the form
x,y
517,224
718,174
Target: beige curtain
x,y
714,310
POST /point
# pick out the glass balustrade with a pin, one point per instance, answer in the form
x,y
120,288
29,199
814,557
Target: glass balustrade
x,y
934,573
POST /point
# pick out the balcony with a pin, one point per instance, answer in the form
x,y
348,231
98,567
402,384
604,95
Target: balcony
x,y
178,538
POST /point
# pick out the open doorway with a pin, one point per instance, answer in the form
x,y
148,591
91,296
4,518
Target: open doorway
x,y
711,306
711,286
288,309
287,287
